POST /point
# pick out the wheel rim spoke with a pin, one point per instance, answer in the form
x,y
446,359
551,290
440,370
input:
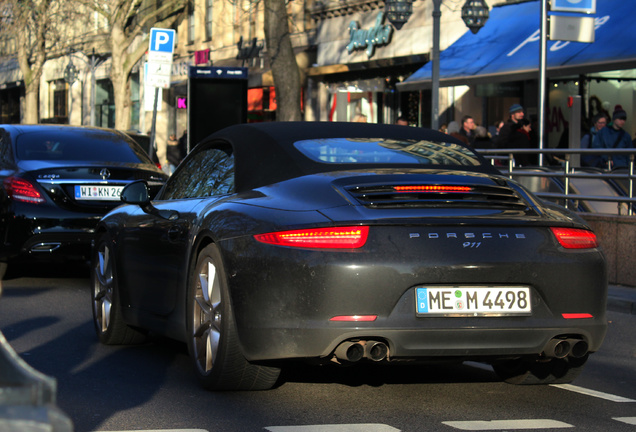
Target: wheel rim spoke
x,y
103,289
207,316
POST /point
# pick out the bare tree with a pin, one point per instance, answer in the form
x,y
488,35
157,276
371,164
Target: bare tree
x,y
33,24
282,60
128,22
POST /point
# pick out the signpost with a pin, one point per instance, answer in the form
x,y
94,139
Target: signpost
x,y
160,57
581,6
159,67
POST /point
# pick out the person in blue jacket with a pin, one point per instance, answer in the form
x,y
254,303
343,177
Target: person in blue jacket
x,y
613,137
599,121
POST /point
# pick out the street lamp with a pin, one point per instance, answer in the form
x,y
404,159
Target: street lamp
x,y
475,14
70,72
398,11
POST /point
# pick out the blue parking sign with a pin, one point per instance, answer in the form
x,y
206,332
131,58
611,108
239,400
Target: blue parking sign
x,y
583,6
162,40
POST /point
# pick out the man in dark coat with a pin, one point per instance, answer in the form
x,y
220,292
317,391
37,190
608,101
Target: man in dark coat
x,y
613,136
516,115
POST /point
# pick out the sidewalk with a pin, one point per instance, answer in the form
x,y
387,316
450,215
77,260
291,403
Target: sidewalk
x,y
621,299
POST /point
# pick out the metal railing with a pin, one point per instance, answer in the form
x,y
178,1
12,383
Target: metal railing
x,y
567,171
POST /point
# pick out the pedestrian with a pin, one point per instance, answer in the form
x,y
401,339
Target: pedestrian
x,y
402,121
183,143
482,139
467,129
599,121
453,130
494,130
613,136
173,153
516,114
520,139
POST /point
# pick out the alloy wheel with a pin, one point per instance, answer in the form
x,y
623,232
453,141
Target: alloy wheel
x,y
206,317
103,288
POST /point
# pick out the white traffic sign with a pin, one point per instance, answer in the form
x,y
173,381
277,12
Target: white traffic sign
x,y
583,6
160,57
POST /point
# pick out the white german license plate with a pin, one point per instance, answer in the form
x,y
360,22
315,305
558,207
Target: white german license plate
x,y
100,193
475,301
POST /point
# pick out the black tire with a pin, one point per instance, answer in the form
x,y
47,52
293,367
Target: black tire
x,y
212,336
107,313
540,372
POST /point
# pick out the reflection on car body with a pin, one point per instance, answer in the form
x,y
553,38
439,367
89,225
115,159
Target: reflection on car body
x,y
344,243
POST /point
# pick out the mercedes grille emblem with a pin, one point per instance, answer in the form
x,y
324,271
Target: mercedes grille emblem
x,y
104,173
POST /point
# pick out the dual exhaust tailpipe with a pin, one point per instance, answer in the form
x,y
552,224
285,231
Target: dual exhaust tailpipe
x,y
561,348
353,351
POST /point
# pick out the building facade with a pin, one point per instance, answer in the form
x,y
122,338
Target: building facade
x,y
354,63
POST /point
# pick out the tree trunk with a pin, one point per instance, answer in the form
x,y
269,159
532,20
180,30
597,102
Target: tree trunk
x,y
31,99
119,79
282,60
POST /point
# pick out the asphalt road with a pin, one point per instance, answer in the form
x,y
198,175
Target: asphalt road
x,y
47,320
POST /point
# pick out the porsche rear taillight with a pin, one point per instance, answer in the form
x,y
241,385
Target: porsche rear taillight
x,y
575,238
19,189
320,238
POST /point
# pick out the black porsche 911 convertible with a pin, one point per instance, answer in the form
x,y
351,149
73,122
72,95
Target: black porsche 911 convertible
x,y
344,243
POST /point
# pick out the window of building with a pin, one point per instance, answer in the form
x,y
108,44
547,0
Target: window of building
x,y
191,25
208,19
59,100
104,104
135,99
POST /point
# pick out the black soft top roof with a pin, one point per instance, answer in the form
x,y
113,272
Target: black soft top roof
x,y
264,153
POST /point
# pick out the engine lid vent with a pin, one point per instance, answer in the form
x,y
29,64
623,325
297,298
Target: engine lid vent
x,y
437,196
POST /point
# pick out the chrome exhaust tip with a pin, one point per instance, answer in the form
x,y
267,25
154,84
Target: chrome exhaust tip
x,y
579,348
376,351
349,351
558,348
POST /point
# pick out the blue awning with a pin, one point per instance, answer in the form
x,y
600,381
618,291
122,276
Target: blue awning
x,y
507,48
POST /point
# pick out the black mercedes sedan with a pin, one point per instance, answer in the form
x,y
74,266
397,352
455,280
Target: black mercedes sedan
x,y
57,183
348,243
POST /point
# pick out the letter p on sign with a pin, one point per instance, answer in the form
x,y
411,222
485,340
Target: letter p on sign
x,y
162,40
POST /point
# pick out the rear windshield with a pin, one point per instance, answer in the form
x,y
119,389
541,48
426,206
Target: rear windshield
x,y
88,145
385,151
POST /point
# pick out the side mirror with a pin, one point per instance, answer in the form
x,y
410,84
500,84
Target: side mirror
x,y
137,193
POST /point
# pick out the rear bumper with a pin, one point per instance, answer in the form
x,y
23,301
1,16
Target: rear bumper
x,y
48,233
477,344
411,337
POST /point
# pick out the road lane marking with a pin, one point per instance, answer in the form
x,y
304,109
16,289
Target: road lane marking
x,y
594,393
628,420
334,428
482,425
163,430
